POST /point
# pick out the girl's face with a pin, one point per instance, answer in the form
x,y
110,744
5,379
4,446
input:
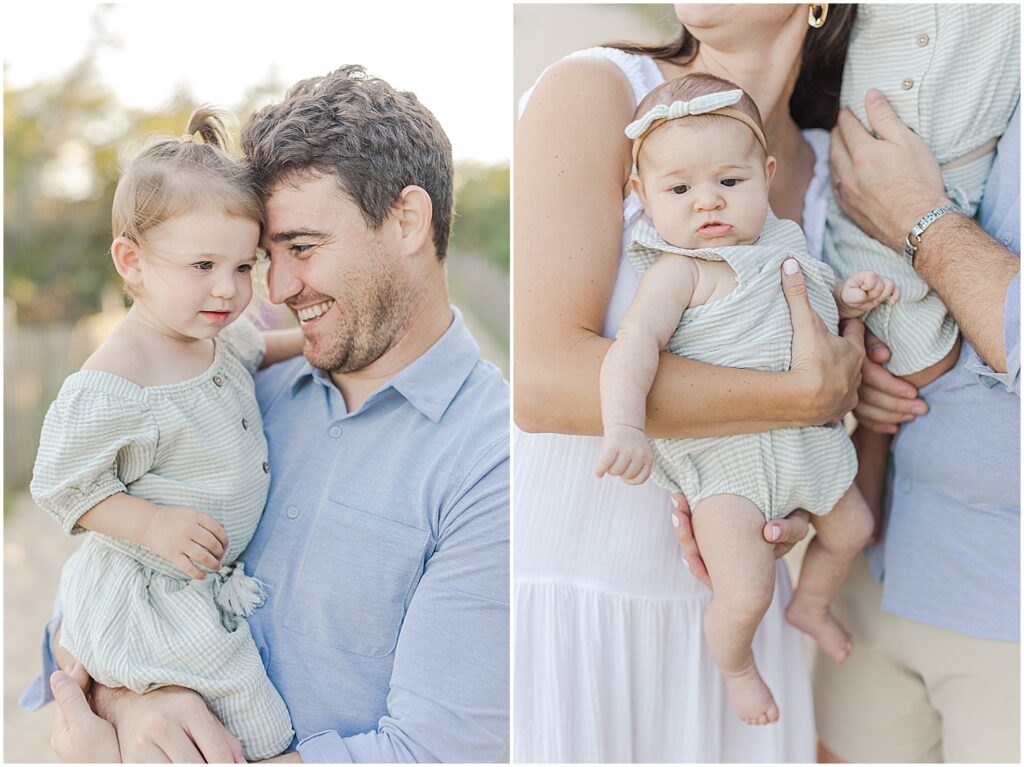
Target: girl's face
x,y
194,274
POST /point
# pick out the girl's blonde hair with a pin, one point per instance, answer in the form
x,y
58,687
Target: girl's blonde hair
x,y
171,177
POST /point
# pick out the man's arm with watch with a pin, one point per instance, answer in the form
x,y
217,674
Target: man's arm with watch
x,y
888,186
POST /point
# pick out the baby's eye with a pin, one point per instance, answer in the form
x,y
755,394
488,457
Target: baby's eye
x,y
203,266
730,181
681,189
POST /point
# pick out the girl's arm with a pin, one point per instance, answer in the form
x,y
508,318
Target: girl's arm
x,y
281,344
571,162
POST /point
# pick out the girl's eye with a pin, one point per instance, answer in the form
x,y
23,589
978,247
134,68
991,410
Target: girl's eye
x,y
730,181
244,268
203,266
681,189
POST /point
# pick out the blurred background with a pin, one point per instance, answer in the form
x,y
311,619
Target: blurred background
x,y
80,88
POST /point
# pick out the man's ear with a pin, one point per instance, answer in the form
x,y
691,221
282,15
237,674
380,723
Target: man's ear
x,y
127,256
769,171
414,214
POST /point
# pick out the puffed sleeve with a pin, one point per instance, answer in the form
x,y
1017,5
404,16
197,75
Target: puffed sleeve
x,y
242,340
93,444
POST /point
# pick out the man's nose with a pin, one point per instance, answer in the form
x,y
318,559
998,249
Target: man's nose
x,y
282,282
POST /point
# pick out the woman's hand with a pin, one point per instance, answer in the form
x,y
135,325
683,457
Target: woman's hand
x,y
885,400
184,537
782,533
827,368
78,734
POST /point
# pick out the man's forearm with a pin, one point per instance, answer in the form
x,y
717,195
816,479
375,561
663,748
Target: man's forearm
x,y
971,272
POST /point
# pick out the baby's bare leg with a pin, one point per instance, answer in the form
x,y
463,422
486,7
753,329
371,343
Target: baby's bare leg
x,y
742,569
840,534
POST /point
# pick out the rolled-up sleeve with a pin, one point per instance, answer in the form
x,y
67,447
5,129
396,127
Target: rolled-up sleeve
x,y
1010,380
38,692
449,699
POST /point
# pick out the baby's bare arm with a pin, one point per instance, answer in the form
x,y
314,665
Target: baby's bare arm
x,y
629,367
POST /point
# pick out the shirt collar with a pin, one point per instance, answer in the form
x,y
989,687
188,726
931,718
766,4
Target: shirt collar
x,y
430,382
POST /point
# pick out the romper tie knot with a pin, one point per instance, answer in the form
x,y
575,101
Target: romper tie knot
x,y
236,594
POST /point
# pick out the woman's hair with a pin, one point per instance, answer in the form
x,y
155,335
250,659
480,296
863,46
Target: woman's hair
x,y
815,99
171,177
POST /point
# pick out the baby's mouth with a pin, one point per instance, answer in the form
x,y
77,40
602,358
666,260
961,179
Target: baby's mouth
x,y
714,229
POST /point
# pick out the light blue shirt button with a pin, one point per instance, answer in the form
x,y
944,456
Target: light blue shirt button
x,y
335,431
292,512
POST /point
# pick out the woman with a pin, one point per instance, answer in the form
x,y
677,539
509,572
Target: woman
x,y
610,661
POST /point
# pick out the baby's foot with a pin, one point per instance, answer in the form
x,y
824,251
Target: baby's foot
x,y
819,624
750,697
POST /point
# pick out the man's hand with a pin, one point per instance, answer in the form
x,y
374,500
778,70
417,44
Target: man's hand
x,y
184,536
886,184
885,400
782,533
78,734
826,367
170,724
626,453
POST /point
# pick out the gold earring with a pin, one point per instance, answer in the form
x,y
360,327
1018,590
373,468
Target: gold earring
x,y
816,14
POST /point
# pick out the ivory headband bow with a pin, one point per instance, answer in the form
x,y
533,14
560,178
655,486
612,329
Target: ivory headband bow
x,y
710,103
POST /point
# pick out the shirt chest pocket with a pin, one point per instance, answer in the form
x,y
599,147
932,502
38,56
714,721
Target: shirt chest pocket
x,y
355,580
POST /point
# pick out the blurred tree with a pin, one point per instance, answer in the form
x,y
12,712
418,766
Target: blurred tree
x,y
481,211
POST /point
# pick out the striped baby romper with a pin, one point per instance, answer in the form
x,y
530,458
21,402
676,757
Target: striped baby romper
x,y
952,74
781,470
132,618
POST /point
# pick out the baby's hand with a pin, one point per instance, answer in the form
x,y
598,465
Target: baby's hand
x,y
625,452
184,536
864,290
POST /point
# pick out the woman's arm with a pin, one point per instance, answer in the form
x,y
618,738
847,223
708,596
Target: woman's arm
x,y
571,163
281,344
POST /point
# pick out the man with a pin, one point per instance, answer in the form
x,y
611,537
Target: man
x,y
384,544
935,675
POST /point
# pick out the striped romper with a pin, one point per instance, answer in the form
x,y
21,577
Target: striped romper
x,y
132,618
952,74
781,470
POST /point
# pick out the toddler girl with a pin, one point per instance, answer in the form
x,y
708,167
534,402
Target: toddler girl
x,y
157,447
711,291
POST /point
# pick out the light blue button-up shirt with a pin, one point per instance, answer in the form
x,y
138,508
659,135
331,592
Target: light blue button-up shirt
x,y
950,554
384,548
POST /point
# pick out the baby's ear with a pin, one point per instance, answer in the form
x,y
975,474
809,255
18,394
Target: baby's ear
x,y
769,171
638,186
126,255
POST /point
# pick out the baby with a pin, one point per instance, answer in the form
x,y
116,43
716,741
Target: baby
x,y
711,291
157,446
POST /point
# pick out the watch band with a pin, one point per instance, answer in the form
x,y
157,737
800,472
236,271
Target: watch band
x,y
913,239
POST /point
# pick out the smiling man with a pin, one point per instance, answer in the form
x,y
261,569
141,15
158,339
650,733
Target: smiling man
x,y
384,543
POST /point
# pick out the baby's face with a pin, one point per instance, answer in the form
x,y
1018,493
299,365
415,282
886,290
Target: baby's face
x,y
703,184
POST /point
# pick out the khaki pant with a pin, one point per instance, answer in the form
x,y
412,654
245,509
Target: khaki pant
x,y
911,692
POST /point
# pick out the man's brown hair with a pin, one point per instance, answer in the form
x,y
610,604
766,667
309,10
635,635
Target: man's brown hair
x,y
373,139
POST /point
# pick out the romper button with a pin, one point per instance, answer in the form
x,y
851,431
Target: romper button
x,y
292,512
907,83
245,424
335,431
266,467
217,380
922,40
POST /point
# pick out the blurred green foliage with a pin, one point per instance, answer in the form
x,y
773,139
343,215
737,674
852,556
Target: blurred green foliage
x,y
62,144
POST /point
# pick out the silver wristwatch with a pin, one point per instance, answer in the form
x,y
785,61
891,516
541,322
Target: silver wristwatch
x,y
913,240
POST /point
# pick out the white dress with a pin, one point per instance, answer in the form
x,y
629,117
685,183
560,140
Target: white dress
x,y
610,661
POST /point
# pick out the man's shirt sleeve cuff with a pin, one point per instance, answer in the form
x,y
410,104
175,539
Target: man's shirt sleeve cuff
x,y
1010,380
324,747
38,692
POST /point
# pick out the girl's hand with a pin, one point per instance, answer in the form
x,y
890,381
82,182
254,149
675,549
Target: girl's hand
x,y
863,291
626,453
186,537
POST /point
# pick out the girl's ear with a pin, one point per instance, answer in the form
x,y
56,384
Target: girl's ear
x,y
638,187
769,171
127,260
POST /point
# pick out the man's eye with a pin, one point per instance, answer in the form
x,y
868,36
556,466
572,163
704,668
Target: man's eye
x,y
681,189
297,250
203,266
730,181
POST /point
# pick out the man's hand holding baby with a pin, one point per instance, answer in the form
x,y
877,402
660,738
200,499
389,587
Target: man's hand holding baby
x,y
862,291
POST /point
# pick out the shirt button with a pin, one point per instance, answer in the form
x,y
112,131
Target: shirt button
x,y
292,512
335,431
217,380
245,424
907,83
922,40
266,467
